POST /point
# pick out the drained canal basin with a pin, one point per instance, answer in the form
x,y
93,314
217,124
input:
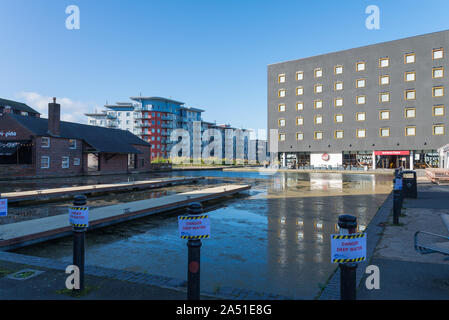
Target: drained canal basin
x,y
273,238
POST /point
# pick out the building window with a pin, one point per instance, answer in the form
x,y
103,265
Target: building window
x,y
438,130
299,136
410,113
384,62
318,73
410,131
76,162
384,115
299,121
438,111
65,162
360,83
282,137
437,72
338,118
338,102
361,100
45,162
338,70
318,88
281,78
45,142
360,66
318,135
318,119
384,97
410,76
338,85
360,116
409,58
438,54
72,143
338,134
299,106
384,80
410,94
281,93
281,107
384,132
299,91
299,75
318,104
361,133
281,122
437,92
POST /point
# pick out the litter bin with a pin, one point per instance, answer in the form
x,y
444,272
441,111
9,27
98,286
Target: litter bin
x,y
409,184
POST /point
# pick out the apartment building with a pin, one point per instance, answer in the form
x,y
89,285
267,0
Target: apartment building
x,y
153,119
380,106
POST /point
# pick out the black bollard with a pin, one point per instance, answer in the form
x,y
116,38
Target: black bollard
x,y
78,242
194,258
348,225
398,197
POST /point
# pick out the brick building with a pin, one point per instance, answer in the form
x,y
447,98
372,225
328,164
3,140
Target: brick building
x,y
37,147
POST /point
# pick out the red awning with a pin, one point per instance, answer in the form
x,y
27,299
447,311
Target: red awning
x,y
391,153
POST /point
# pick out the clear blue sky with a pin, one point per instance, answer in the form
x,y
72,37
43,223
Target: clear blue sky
x,y
211,54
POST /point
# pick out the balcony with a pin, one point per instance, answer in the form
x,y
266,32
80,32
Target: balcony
x,y
167,118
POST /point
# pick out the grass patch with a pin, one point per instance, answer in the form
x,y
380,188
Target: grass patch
x,y
323,286
391,224
77,293
5,272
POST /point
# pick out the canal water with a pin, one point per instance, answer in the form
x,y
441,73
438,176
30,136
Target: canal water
x,y
274,238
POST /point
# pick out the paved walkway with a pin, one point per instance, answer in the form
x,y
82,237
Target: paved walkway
x,y
100,283
404,273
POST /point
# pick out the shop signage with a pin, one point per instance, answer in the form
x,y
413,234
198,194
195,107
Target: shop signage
x,y
325,157
7,134
391,153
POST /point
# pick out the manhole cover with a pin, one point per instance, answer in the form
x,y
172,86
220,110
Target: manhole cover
x,y
24,274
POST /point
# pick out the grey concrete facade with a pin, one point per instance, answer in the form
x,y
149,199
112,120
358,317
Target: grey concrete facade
x,y
424,121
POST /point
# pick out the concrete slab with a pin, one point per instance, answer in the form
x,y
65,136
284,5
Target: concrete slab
x,y
24,233
98,188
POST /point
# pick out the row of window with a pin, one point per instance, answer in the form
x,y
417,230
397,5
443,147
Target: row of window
x,y
384,62
361,133
409,94
384,97
409,113
45,143
65,162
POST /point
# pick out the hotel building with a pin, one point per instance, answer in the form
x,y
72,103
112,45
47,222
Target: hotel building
x,y
380,106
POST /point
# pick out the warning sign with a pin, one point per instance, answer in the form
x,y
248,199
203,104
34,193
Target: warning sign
x,y
3,207
79,216
348,248
194,227
398,184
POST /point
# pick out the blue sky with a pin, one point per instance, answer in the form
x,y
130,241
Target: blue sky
x,y
210,54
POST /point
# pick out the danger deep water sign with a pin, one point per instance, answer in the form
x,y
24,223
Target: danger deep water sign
x,y
348,248
194,227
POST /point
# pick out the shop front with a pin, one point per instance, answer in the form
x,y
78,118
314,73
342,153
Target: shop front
x,y
392,159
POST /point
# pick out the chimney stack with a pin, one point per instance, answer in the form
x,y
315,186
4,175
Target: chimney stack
x,y
54,118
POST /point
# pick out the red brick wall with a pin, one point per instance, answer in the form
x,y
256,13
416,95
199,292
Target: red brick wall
x,y
117,163
59,147
145,156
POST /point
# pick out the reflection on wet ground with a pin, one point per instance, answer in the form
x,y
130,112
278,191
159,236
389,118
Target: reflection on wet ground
x,y
274,238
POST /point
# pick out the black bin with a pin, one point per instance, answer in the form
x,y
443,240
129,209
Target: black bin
x,y
409,184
